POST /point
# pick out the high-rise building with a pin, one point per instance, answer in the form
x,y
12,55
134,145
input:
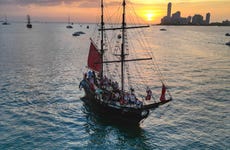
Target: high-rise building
x,y
207,20
189,18
197,19
169,9
176,15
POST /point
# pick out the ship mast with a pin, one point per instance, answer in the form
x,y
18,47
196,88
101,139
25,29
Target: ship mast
x,y
122,55
28,19
123,46
102,37
68,19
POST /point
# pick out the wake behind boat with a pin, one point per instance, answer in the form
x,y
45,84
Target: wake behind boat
x,y
119,101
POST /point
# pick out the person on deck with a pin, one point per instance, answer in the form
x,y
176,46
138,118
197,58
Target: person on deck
x,y
132,96
116,96
99,93
126,98
149,93
91,80
94,78
85,76
90,74
104,82
92,86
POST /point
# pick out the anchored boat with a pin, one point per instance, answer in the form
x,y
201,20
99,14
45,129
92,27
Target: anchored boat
x,y
5,22
29,25
69,26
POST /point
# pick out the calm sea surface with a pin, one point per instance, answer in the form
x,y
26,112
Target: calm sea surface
x,y
40,106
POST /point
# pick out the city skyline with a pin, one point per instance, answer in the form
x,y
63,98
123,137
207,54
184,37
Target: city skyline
x,y
87,10
177,19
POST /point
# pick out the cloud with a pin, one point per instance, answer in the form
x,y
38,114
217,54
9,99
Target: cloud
x,y
41,2
46,2
55,2
77,3
87,4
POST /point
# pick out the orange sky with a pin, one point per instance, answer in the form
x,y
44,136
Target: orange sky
x,y
149,11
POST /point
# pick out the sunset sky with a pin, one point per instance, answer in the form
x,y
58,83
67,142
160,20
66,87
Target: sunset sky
x,y
150,11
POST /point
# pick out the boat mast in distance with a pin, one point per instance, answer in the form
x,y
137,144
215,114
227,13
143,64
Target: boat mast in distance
x,y
5,22
69,26
29,25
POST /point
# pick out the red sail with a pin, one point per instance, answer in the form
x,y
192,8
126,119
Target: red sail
x,y
162,98
94,58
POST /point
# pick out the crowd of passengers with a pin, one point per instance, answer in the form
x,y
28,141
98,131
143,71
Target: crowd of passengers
x,y
109,91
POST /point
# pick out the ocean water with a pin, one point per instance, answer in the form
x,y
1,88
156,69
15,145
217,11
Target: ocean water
x,y
40,106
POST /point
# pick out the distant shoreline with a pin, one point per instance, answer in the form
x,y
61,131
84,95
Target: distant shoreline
x,y
214,24
45,22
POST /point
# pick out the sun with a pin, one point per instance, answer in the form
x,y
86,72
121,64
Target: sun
x,y
149,16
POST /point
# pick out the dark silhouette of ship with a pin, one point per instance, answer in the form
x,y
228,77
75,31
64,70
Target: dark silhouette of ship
x,y
103,95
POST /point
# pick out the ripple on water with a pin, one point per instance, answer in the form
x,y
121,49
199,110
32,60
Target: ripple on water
x,y
41,106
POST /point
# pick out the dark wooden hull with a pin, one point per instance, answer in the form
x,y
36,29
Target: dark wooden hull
x,y
5,23
29,26
69,27
119,114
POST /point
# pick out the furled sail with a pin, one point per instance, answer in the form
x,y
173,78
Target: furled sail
x,y
94,58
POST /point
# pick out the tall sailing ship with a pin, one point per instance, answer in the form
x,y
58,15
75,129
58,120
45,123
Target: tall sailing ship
x,y
123,101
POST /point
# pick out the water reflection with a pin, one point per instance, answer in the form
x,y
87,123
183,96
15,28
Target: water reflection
x,y
104,133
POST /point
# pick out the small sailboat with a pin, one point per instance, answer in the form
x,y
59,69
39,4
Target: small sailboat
x,y
78,33
29,25
5,22
163,29
103,94
69,26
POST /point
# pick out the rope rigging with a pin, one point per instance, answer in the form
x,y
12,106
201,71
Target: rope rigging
x,y
113,46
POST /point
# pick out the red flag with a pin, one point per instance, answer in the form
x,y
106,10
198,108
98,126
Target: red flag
x,y
162,98
94,58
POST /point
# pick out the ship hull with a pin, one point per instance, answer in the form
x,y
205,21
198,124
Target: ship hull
x,y
121,115
29,26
